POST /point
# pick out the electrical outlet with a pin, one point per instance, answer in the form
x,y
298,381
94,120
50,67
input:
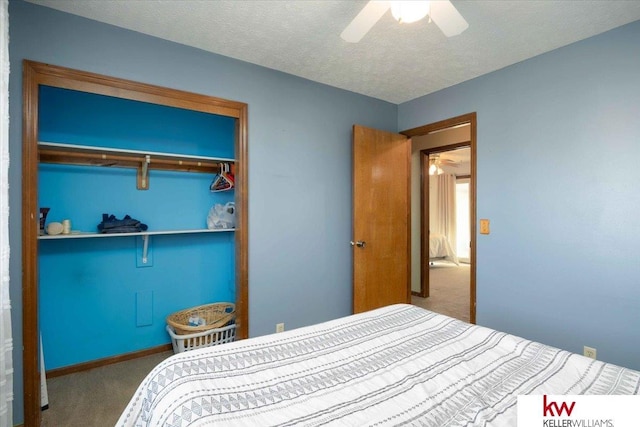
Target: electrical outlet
x,y
280,327
590,352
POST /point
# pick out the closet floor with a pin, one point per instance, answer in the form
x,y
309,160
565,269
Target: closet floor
x,y
97,397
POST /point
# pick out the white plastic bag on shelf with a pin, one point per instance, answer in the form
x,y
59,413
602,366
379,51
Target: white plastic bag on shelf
x,y
222,216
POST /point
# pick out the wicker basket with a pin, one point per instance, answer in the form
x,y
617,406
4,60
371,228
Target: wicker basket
x,y
216,315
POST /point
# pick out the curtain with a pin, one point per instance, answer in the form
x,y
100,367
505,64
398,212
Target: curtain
x,y
442,206
6,343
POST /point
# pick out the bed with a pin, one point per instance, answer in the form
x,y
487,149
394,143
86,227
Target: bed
x,y
398,365
440,248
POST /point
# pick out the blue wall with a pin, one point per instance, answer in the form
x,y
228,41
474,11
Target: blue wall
x,y
299,160
558,173
95,303
72,117
97,293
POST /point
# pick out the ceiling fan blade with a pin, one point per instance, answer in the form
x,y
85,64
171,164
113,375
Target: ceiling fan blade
x,y
447,18
362,23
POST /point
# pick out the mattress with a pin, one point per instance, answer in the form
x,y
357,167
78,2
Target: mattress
x,y
398,365
440,247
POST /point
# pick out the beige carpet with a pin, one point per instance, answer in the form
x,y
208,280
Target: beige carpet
x,y
97,397
449,290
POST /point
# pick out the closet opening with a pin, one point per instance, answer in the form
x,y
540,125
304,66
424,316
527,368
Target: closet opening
x,y
94,145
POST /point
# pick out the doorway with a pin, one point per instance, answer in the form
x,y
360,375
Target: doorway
x,y
443,141
445,224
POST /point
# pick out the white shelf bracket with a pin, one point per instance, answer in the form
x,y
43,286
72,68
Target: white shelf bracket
x,y
145,248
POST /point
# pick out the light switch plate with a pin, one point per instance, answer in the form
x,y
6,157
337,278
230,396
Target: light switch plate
x,y
484,226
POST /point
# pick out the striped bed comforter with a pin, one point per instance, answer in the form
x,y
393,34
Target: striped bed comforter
x,y
398,365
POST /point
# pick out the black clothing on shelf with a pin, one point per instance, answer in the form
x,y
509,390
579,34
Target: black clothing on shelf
x,y
111,224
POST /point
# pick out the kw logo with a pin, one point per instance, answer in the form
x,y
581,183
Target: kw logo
x,y
549,408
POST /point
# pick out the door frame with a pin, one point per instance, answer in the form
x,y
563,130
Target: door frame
x,y
36,74
471,119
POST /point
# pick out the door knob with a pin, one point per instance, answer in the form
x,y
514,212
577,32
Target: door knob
x,y
359,243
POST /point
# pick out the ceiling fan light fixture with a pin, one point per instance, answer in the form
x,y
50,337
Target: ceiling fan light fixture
x,y
407,12
435,169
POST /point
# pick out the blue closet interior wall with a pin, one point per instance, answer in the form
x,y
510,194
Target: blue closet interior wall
x,y
96,297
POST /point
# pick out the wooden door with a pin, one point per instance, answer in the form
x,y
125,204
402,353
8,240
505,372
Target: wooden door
x,y
381,223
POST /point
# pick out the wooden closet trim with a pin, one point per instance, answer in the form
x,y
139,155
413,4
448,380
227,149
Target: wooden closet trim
x,y
67,78
36,74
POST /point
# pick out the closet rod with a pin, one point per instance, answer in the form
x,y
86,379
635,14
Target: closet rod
x,y
48,154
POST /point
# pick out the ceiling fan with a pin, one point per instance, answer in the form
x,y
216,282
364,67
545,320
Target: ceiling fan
x,y
442,12
436,163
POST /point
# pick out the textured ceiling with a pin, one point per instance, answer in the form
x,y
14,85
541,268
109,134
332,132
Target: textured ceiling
x,y
393,62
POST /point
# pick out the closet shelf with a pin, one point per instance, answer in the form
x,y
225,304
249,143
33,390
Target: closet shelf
x,y
142,233
143,161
